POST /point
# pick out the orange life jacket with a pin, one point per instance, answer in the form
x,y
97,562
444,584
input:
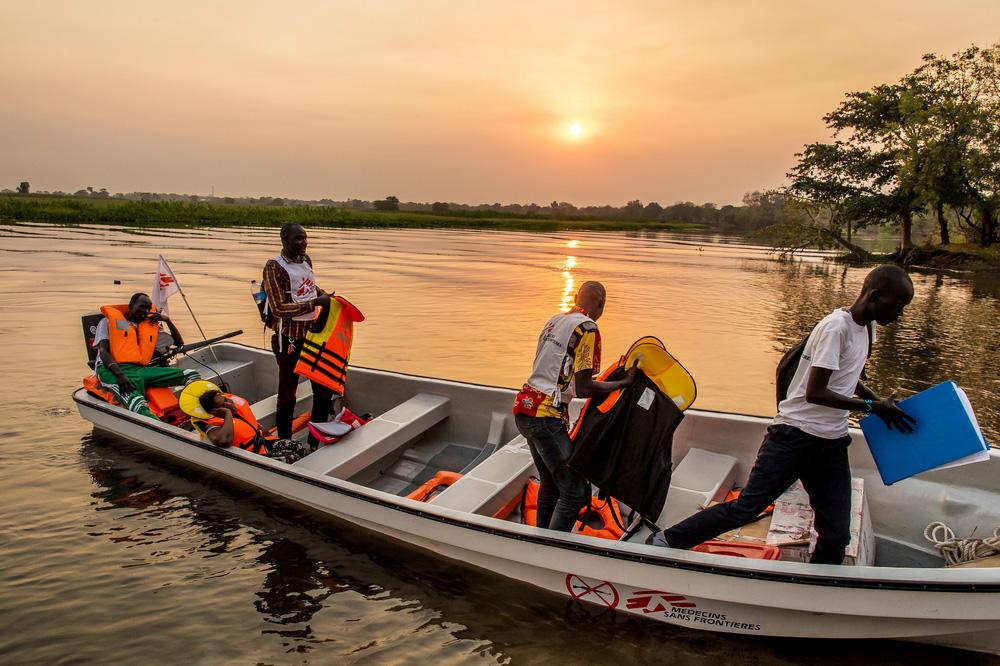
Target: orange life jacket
x,y
160,400
246,433
529,510
607,527
442,480
434,486
735,493
129,342
298,423
324,354
599,521
96,389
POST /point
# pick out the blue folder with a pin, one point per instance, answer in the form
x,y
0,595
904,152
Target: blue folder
x,y
946,434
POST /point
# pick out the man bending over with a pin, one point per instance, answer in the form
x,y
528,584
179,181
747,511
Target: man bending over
x,y
808,438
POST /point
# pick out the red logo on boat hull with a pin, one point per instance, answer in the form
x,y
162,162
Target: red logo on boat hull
x,y
654,601
596,592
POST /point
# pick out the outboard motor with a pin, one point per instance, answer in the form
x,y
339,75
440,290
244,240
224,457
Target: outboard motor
x,y
90,322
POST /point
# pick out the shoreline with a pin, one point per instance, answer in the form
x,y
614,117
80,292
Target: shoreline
x,y
952,258
77,211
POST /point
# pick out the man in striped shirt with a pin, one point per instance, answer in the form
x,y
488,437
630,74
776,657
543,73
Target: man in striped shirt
x,y
294,300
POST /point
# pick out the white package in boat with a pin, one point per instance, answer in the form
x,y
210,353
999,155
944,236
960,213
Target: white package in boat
x,y
792,528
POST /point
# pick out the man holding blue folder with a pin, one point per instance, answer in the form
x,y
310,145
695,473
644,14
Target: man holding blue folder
x,y
808,438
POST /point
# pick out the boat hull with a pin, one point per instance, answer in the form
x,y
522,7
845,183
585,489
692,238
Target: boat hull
x,y
959,608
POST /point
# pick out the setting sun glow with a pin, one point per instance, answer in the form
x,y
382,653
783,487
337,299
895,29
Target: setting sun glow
x,y
576,130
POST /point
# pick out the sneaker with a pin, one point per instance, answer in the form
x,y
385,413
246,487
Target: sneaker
x,y
657,539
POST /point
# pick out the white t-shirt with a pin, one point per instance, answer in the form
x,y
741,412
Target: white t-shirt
x,y
837,343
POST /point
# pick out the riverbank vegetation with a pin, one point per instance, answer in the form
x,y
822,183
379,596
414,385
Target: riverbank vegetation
x,y
79,210
924,148
758,211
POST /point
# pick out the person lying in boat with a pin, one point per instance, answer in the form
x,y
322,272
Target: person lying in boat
x,y
808,438
227,420
126,340
567,357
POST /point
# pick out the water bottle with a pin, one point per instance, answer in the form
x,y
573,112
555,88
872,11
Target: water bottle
x,y
257,292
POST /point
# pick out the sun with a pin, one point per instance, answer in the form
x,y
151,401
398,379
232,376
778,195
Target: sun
x,y
576,130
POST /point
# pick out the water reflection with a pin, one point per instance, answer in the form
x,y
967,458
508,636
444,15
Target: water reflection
x,y
569,290
294,588
945,333
304,594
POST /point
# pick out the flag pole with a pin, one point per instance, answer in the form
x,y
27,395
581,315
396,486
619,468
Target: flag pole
x,y
203,336
193,316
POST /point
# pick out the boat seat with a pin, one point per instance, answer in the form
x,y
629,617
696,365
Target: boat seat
x,y
236,374
492,484
378,438
269,405
264,410
497,422
700,478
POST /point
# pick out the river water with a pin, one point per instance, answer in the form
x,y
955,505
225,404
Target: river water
x,y
110,554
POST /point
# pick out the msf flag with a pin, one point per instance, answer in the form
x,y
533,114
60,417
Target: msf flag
x,y
164,285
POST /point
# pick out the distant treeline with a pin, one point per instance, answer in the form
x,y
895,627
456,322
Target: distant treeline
x,y
77,210
758,211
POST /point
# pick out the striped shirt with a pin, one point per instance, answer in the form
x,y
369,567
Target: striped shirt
x,y
277,286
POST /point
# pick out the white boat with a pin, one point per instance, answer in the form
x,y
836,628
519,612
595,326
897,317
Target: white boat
x,y
423,425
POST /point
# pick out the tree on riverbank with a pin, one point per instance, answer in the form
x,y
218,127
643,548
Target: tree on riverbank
x,y
929,143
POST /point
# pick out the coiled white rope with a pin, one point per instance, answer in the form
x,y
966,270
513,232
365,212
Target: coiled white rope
x,y
956,551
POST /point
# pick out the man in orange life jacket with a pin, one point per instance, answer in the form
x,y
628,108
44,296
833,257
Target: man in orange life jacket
x,y
566,359
293,299
126,340
227,420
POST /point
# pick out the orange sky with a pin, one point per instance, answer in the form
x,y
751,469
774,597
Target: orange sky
x,y
456,101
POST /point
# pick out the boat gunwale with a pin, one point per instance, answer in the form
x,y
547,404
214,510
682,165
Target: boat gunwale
x,y
411,375
855,582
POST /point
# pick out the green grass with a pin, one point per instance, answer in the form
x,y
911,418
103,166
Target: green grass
x,y
74,210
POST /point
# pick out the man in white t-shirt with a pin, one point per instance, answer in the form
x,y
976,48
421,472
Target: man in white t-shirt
x,y
808,438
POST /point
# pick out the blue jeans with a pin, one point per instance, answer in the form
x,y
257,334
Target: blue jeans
x,y
561,491
786,454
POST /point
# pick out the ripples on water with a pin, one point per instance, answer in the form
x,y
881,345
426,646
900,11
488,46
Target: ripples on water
x,y
110,554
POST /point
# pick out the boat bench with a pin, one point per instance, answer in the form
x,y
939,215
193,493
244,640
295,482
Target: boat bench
x,y
378,438
492,484
264,410
238,375
700,478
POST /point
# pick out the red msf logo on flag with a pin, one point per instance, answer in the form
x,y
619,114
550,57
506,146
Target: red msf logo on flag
x,y
164,285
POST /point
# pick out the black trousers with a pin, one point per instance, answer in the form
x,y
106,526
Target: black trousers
x,y
288,383
786,454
